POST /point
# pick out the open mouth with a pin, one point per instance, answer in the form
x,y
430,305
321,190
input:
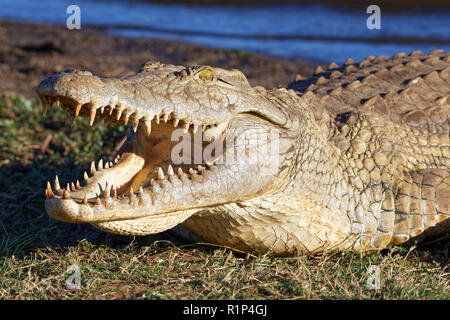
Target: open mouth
x,y
144,162
175,161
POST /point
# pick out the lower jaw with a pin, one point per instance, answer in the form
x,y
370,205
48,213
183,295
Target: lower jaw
x,y
145,225
148,210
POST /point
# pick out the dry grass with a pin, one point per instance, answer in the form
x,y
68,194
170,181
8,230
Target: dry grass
x,y
36,251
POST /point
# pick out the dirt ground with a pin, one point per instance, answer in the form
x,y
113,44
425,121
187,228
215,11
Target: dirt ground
x,y
31,52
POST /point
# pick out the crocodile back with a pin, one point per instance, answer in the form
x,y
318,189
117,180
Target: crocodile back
x,y
413,89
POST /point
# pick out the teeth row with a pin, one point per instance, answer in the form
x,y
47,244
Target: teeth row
x,y
125,116
65,193
75,186
112,191
101,166
179,172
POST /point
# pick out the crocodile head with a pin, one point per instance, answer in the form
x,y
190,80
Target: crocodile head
x,y
200,137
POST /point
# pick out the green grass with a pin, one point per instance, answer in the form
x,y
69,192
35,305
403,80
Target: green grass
x,y
35,251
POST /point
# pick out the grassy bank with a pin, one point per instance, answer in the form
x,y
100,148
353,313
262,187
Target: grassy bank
x,y
35,251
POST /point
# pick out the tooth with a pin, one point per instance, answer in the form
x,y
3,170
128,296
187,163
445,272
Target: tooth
x,y
44,107
152,182
77,110
114,192
191,171
204,126
92,113
212,133
68,187
209,164
110,164
85,199
111,109
125,119
100,164
106,165
176,122
66,195
49,192
186,127
106,193
93,167
116,160
72,186
78,184
148,127
195,128
170,170
200,168
98,201
119,113
180,172
141,191
57,187
165,118
131,193
160,173
102,109
135,124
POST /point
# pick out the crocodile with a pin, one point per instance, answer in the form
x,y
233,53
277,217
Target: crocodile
x,y
356,157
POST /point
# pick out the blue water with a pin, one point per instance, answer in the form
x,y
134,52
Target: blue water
x,y
317,32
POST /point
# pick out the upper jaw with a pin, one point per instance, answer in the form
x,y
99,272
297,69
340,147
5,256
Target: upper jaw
x,y
152,94
137,99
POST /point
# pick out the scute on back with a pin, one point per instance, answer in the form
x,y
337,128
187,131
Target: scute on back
x,y
413,89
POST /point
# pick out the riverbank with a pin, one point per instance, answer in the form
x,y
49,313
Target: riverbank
x,y
30,52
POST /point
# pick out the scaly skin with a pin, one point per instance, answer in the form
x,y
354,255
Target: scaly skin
x,y
361,158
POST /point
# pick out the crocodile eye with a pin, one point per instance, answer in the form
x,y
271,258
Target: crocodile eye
x,y
206,75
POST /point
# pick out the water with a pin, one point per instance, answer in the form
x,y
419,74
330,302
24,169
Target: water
x,y
317,31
